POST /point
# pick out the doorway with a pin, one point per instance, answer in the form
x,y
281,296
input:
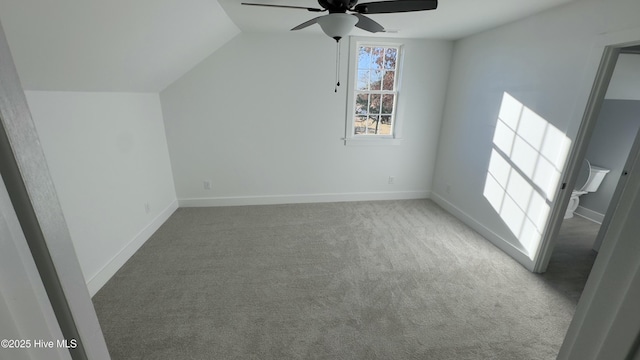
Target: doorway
x,y
610,145
608,137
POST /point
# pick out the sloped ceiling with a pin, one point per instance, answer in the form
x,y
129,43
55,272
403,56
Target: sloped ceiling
x,y
111,45
145,45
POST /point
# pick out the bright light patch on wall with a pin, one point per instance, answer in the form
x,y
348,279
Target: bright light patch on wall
x,y
524,170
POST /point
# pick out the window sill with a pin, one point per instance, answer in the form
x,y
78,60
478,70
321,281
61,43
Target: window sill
x,y
375,141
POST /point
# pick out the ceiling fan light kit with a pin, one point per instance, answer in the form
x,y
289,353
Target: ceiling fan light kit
x,y
337,25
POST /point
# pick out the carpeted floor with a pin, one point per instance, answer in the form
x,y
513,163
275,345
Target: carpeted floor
x,y
365,280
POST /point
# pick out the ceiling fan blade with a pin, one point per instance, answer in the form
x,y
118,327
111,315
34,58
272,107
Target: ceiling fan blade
x,y
368,24
286,6
307,23
385,7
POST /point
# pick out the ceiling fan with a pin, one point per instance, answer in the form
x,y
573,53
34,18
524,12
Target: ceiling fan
x,y
338,23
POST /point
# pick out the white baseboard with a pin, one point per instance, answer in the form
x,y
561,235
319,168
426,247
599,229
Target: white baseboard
x,y
510,249
594,216
97,281
302,198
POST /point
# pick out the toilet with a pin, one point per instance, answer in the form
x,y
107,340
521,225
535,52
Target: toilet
x,y
589,180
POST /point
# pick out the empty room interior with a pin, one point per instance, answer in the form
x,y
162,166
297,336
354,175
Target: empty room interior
x,y
232,189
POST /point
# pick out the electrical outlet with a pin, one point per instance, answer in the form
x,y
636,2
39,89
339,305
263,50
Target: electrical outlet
x,y
448,190
392,180
147,207
207,184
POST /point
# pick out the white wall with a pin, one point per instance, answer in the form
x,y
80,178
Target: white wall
x,y
543,61
625,81
108,156
260,119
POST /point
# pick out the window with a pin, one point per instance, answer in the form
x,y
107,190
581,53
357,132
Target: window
x,y
373,90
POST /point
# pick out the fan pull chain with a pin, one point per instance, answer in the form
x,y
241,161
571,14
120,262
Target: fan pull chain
x,y
337,65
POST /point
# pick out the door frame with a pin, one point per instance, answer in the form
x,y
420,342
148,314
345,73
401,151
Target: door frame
x,y
26,312
602,63
32,194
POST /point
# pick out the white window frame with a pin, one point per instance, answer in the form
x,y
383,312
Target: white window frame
x,y
350,137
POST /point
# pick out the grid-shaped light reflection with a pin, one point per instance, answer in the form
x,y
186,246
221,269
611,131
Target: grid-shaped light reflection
x,y
524,170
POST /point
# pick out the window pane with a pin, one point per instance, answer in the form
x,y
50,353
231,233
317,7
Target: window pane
x,y
372,124
377,58
363,80
374,104
360,125
364,58
376,80
387,104
391,55
362,104
385,125
389,80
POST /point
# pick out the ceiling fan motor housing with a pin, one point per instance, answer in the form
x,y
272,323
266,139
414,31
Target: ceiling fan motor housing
x,y
337,6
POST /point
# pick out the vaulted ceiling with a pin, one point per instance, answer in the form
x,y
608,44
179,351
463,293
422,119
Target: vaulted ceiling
x,y
145,45
111,45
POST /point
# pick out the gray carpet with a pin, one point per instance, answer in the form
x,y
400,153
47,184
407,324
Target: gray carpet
x,y
365,280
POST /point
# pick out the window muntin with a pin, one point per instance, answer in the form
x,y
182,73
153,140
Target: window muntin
x,y
376,89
